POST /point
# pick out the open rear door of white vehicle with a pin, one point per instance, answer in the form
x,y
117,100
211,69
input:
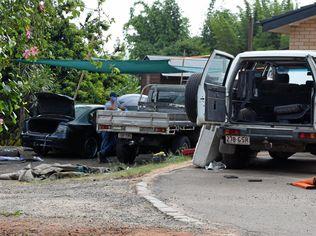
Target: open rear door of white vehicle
x,y
211,102
312,64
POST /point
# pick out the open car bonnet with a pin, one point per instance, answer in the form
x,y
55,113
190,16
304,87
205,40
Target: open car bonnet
x,y
54,104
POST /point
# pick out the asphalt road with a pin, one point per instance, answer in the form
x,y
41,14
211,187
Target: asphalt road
x,y
270,207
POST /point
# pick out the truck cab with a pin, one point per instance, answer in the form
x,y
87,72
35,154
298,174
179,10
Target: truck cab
x,y
258,101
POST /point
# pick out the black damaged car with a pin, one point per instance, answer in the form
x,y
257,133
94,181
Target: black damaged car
x,y
59,125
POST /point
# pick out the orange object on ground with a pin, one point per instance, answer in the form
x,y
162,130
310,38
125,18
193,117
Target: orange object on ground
x,y
188,152
306,183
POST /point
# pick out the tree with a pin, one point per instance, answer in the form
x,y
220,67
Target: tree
x,y
45,29
266,9
227,31
155,27
207,31
189,47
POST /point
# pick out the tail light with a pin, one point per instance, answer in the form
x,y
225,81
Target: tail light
x,y
307,135
103,127
161,130
232,132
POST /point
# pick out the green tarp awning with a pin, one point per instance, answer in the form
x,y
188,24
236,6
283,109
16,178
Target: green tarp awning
x,y
107,66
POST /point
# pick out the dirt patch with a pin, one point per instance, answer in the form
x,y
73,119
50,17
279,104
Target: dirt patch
x,y
82,206
30,227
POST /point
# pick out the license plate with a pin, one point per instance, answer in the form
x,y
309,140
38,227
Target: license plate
x,y
132,129
125,136
237,140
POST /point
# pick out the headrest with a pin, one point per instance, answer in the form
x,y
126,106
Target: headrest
x,y
310,83
282,78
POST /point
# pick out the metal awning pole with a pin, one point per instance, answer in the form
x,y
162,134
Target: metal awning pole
x,y
79,83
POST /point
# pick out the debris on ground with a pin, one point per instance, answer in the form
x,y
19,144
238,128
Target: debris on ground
x,y
9,151
254,180
306,183
52,171
214,165
20,158
231,177
8,158
35,158
159,157
188,152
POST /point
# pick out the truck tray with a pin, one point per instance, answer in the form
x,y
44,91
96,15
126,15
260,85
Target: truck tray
x,y
142,119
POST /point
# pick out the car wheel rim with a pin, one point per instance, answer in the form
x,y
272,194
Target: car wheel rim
x,y
91,148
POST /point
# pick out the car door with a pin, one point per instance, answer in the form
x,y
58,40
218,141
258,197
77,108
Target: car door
x,y
212,92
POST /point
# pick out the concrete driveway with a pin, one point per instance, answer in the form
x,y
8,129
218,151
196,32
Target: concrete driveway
x,y
270,207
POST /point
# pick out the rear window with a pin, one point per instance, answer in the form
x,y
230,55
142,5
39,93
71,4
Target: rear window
x,y
171,97
79,110
298,76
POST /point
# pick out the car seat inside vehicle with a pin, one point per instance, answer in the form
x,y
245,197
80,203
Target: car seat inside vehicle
x,y
273,92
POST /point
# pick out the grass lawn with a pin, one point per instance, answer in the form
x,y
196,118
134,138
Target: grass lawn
x,y
140,170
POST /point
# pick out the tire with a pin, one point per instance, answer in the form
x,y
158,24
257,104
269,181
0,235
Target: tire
x,y
180,143
125,153
281,156
238,160
90,148
191,90
41,151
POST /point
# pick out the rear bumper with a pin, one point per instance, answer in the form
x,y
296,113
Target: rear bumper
x,y
271,133
274,139
48,141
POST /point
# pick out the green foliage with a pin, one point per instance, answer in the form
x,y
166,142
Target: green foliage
x,y
17,213
154,28
50,31
227,31
189,47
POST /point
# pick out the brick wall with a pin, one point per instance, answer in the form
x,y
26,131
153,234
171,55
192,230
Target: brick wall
x,y
303,35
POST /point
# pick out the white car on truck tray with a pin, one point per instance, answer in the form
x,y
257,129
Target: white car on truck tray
x,y
258,101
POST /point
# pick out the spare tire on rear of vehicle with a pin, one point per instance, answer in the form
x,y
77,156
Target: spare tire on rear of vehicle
x,y
191,90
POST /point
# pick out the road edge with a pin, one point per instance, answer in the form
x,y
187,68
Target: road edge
x,y
143,190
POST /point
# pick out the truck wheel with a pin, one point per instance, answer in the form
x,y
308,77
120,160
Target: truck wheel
x,y
41,151
180,143
191,90
125,153
281,156
90,148
238,160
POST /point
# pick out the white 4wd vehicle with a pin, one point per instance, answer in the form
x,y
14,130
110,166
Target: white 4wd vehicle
x,y
262,100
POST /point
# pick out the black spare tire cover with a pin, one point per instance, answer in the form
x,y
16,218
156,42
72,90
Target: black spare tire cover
x,y
191,90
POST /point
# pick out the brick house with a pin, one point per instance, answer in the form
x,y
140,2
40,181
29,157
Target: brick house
x,y
299,24
189,64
